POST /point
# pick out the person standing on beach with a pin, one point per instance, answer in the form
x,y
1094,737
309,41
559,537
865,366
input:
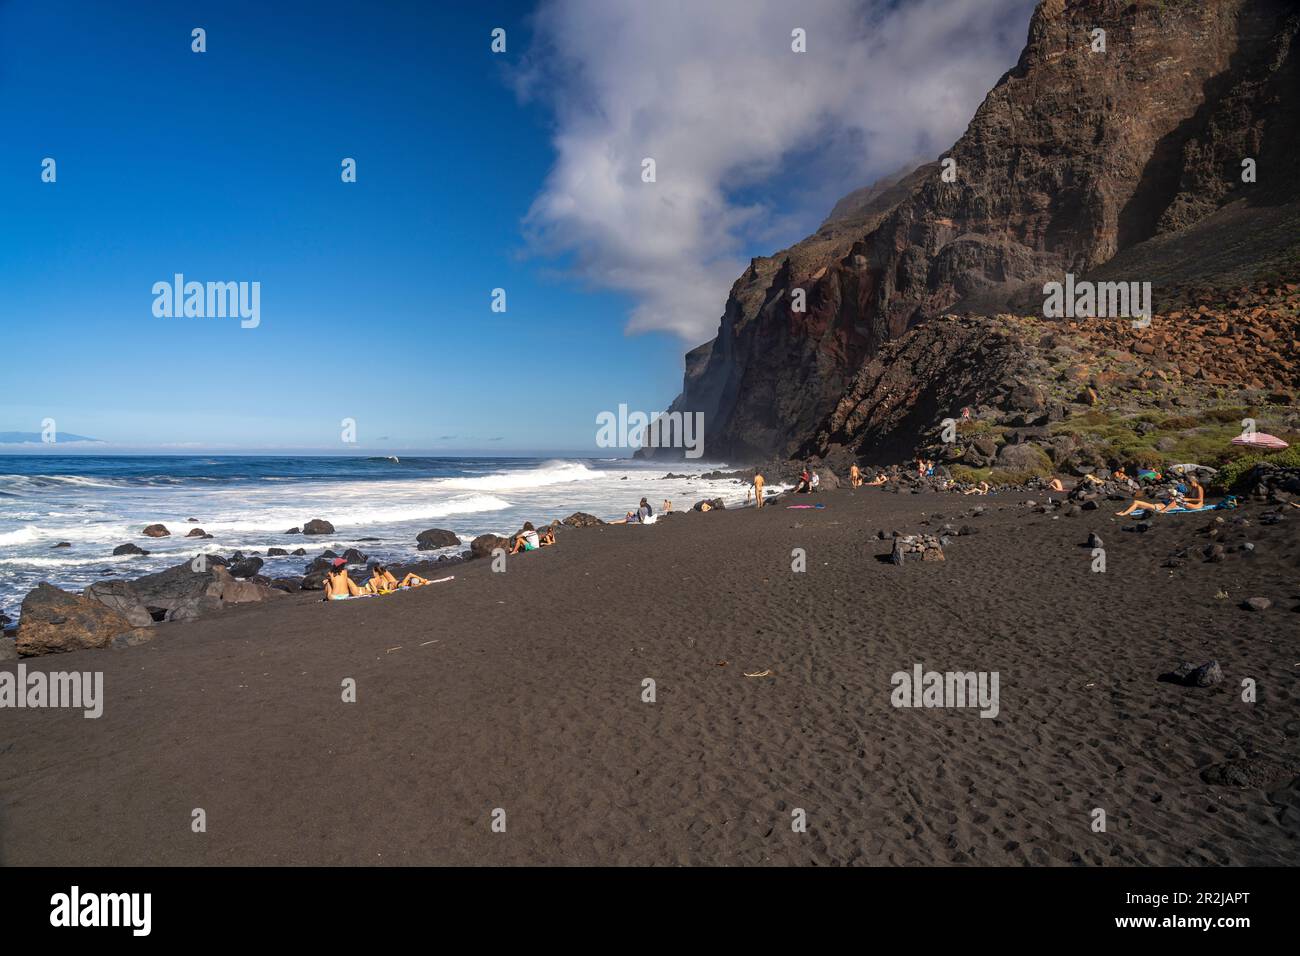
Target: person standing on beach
x,y
855,476
758,488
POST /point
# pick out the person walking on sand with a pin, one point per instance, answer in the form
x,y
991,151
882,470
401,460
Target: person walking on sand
x,y
855,476
758,488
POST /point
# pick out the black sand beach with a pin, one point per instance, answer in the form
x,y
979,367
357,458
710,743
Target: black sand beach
x,y
523,691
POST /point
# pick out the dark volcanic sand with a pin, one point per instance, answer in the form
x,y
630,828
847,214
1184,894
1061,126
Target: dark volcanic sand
x,y
530,700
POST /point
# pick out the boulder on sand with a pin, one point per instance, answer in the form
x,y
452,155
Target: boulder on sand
x,y
156,531
314,579
435,538
827,478
926,547
485,544
317,526
180,593
120,596
580,519
1189,675
54,622
245,568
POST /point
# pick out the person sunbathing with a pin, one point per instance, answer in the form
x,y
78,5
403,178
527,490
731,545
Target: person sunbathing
x,y
381,580
981,489
337,584
413,580
1055,485
1195,500
877,481
1139,505
527,540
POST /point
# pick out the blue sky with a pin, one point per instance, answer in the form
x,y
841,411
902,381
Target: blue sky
x,y
375,295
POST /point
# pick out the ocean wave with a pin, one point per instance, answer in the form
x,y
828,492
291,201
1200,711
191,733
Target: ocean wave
x,y
9,539
35,534
392,514
47,481
550,473
98,560
355,508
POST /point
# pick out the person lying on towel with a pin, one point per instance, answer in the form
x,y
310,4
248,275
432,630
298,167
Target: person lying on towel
x,y
1192,499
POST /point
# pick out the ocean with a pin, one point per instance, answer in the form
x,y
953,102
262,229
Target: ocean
x,y
247,503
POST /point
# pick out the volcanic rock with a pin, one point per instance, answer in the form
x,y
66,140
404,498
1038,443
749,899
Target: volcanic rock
x,y
53,621
435,538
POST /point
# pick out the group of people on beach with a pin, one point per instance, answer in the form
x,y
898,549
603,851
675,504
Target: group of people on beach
x,y
1178,498
1188,497
644,514
1181,491
338,584
809,481
857,481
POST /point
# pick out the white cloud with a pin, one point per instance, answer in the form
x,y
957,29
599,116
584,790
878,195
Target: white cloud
x,y
712,91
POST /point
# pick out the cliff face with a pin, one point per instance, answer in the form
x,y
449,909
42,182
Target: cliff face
x,y
1074,157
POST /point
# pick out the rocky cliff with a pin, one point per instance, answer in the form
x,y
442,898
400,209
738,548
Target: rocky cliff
x,y
1080,161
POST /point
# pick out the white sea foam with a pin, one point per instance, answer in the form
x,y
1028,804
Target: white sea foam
x,y
252,514
97,561
551,473
9,539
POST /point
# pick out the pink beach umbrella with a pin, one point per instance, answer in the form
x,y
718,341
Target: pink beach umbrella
x,y
1260,440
